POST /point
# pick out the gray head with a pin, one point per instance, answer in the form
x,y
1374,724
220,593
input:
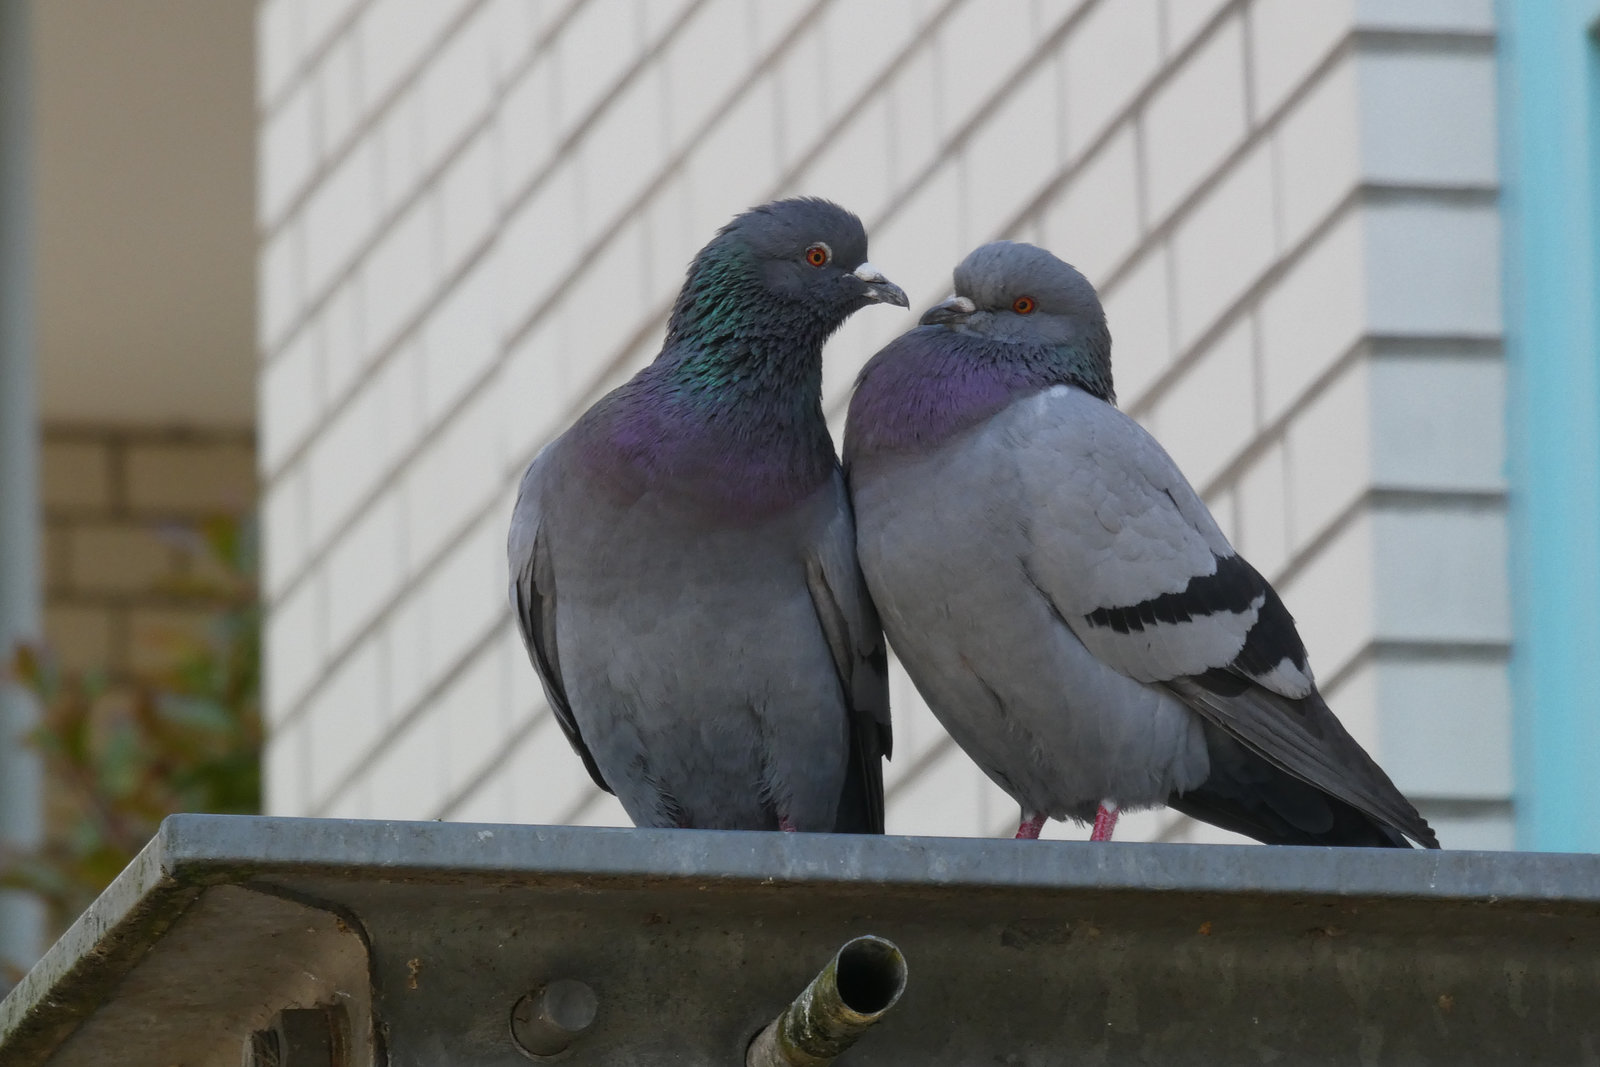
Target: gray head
x,y
796,265
1019,297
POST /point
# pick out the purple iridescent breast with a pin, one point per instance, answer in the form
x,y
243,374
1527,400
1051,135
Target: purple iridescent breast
x,y
927,386
731,467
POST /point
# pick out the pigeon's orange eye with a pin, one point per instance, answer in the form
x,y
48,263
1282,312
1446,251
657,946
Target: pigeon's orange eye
x,y
818,255
1023,305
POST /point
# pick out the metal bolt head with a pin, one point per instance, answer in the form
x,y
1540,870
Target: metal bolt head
x,y
547,1021
300,1037
261,1050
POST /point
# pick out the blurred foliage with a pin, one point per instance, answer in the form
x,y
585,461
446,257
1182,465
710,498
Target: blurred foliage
x,y
122,752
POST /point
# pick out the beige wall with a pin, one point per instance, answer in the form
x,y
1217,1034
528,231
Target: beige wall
x,y
144,174
476,212
120,585
144,280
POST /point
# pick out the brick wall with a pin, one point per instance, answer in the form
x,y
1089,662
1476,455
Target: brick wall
x,y
119,585
476,212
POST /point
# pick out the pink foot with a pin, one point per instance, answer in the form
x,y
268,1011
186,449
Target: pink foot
x,y
785,825
1031,825
1105,821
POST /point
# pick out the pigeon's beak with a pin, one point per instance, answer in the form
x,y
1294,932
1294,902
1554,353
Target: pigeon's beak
x,y
954,310
881,290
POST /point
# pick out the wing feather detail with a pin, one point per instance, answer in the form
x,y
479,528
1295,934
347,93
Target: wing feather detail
x,y
855,641
1129,554
533,603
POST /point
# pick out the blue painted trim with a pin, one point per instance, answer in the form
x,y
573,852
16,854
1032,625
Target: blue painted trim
x,y
1549,65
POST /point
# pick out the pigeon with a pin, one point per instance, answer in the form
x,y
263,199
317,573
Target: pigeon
x,y
682,558
1063,599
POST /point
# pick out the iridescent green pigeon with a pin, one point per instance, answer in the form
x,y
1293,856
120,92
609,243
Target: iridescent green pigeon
x,y
683,563
1062,597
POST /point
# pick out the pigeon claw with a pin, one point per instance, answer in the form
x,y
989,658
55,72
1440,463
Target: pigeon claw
x,y
1105,821
1032,824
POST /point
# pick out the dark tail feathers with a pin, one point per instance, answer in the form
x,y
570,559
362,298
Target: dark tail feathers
x,y
1250,796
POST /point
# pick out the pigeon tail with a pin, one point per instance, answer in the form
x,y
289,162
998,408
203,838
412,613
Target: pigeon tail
x,y
861,803
1251,796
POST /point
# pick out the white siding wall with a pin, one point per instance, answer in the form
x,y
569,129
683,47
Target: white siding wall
x,y
476,212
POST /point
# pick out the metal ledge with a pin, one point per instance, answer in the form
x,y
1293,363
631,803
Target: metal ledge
x,y
426,934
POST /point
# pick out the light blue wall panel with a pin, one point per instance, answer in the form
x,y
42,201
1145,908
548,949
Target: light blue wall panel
x,y
1550,150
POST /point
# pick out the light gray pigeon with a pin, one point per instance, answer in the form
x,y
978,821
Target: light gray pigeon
x,y
1061,596
683,561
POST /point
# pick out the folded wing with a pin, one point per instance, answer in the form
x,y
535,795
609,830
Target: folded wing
x,y
1139,571
855,641
533,602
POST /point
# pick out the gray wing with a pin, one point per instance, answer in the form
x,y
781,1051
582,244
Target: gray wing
x,y
533,603
855,640
1138,570
1128,552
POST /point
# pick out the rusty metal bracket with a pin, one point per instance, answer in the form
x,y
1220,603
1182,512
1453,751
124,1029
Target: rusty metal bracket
x,y
427,936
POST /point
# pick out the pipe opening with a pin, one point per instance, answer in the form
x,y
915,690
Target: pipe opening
x,y
871,975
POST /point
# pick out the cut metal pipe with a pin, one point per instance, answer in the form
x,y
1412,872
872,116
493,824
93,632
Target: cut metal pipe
x,y
856,989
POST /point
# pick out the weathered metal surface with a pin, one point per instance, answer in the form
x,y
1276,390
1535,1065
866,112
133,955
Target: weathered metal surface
x,y
1024,952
